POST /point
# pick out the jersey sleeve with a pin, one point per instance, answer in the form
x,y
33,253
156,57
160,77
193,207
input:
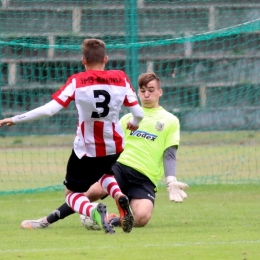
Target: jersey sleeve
x,y
45,111
66,93
137,113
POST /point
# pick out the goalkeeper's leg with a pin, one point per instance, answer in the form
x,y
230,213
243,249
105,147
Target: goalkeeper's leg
x,y
142,212
140,191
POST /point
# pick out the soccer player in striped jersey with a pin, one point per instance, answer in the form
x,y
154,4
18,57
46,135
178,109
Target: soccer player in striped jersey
x,y
99,95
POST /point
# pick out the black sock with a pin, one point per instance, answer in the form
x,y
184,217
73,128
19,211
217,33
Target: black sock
x,y
60,213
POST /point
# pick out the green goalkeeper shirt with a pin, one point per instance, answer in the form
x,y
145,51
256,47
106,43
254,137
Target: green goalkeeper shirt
x,y
144,148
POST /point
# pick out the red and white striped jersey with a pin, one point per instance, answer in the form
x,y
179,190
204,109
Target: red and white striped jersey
x,y
99,96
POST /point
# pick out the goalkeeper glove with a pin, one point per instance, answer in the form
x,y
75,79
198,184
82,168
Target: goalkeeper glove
x,y
175,189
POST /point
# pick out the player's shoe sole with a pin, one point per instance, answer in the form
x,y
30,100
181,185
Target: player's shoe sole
x,y
126,215
114,220
34,224
99,215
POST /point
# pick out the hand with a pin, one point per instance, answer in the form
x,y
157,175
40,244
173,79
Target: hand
x,y
6,121
131,127
175,190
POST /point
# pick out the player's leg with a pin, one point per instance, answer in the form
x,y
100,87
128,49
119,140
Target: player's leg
x,y
96,211
94,193
61,212
140,191
110,185
78,183
81,174
142,210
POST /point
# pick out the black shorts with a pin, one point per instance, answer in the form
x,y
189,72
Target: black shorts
x,y
82,173
133,183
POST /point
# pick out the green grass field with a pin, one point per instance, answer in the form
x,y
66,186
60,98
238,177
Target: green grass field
x,y
219,220
214,222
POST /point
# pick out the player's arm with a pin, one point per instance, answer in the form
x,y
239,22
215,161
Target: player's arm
x,y
131,102
44,111
138,116
174,187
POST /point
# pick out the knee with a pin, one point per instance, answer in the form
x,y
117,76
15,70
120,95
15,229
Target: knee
x,y
95,192
142,211
141,220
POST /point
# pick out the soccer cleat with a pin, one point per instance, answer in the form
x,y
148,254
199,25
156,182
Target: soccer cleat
x,y
33,224
114,220
126,215
99,214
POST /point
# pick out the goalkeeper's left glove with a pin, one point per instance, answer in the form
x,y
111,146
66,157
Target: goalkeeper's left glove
x,y
175,189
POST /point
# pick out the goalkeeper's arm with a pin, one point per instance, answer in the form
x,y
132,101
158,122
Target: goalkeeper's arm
x,y
174,187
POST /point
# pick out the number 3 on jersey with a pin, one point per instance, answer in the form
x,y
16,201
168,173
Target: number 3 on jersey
x,y
103,104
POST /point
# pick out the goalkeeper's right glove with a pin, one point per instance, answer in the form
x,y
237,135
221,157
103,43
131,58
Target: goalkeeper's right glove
x,y
175,189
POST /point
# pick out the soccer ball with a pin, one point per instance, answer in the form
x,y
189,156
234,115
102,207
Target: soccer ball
x,y
88,223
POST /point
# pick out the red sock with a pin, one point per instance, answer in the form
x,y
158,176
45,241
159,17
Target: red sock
x,y
109,184
80,203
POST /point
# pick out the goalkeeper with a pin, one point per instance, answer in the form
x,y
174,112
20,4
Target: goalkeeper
x,y
150,153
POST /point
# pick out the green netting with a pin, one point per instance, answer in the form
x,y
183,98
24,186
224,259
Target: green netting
x,y
207,54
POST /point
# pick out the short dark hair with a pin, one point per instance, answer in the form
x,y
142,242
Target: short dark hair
x,y
93,50
145,78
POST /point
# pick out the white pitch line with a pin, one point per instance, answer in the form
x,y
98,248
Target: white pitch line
x,y
126,246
